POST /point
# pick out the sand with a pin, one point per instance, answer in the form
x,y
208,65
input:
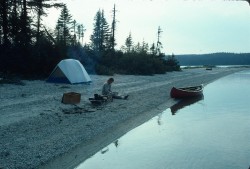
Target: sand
x,y
38,131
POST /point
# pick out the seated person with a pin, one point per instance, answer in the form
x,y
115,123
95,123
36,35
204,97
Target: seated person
x,y
106,90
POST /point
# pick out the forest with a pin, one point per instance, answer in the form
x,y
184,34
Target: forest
x,y
221,58
30,49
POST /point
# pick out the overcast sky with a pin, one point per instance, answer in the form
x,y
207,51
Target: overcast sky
x,y
189,26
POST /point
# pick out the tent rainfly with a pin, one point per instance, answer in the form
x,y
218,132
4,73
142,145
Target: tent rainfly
x,y
69,71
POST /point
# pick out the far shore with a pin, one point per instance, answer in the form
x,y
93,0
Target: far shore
x,y
38,131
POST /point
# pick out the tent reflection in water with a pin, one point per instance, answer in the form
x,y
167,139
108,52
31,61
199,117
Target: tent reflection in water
x,y
69,71
185,102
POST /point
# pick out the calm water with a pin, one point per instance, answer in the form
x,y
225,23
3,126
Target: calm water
x,y
212,133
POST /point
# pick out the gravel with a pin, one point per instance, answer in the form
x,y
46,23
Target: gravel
x,y
38,131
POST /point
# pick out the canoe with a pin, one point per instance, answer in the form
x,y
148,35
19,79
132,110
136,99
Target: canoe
x,y
186,92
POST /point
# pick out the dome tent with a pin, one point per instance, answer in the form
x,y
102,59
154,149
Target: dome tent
x,y
69,71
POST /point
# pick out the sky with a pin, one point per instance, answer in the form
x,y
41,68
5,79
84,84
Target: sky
x,y
188,26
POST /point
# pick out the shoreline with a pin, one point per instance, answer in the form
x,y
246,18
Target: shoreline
x,y
37,133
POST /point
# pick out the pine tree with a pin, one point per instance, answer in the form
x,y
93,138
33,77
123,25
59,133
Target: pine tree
x,y
101,34
96,36
105,33
25,25
129,43
4,9
159,44
80,32
144,47
40,7
137,48
153,49
14,20
63,27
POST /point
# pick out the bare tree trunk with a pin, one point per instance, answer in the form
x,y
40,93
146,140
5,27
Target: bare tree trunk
x,y
38,25
24,24
113,29
4,16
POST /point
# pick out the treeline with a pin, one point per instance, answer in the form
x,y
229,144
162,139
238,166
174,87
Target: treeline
x,y
29,48
214,59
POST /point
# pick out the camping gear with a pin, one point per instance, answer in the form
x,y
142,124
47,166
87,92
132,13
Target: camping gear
x,y
71,98
69,71
100,99
185,92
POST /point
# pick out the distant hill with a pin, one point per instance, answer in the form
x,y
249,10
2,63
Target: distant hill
x,y
214,59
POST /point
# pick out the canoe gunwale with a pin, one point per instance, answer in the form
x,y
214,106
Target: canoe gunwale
x,y
185,92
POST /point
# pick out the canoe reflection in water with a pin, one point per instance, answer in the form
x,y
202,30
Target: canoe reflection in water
x,y
185,102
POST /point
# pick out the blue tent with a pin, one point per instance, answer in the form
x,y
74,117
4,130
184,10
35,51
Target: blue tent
x,y
69,71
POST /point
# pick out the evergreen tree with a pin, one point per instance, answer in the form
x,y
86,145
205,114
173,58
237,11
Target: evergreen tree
x,y
141,48
159,44
137,48
40,7
129,43
105,33
96,36
101,34
14,20
74,33
80,32
144,47
1,23
4,9
63,27
173,63
25,25
153,49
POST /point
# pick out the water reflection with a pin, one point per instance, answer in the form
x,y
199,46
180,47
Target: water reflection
x,y
185,102
159,119
105,150
212,133
116,143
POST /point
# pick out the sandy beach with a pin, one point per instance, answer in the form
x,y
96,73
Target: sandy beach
x,y
38,131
